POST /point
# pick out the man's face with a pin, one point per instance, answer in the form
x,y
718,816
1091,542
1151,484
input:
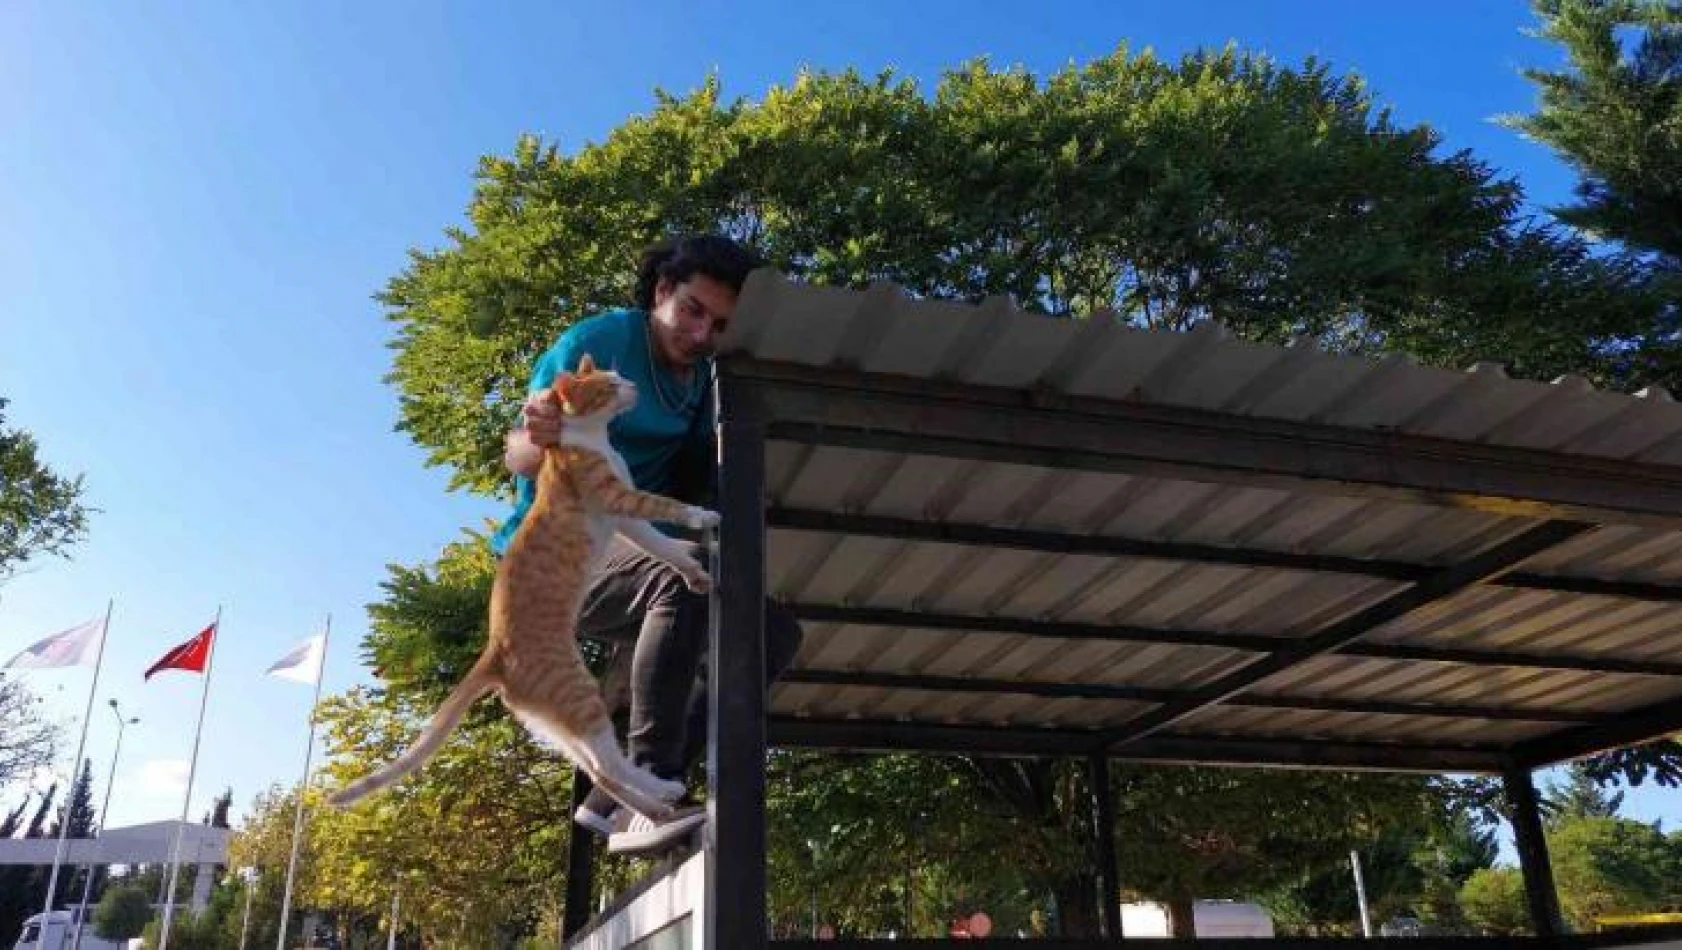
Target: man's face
x,y
688,318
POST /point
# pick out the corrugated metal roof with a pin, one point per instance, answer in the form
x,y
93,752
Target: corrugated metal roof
x,y
878,331
882,331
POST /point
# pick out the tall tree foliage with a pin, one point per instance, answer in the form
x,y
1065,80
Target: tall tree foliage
x,y
23,887
41,512
1580,796
27,736
1278,200
1494,903
1615,113
1605,866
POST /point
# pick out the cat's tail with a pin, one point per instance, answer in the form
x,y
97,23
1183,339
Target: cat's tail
x,y
449,715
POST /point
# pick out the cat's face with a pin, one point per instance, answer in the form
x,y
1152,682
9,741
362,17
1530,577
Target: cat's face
x,y
593,392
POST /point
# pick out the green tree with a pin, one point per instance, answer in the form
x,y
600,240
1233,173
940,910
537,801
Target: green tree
x,y
1616,115
1605,866
1195,833
28,737
1493,901
1278,200
1580,796
40,511
475,842
906,843
122,913
22,888
1458,847
78,811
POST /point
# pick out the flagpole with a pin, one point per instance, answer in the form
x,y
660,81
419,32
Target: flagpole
x,y
303,786
192,772
245,921
75,771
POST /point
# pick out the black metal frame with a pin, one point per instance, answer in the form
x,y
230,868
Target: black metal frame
x,y
872,735
1340,633
1054,542
825,406
1145,694
759,401
1103,844
1246,642
580,865
1532,848
735,910
1632,937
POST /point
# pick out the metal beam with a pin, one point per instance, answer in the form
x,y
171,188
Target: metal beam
x,y
1657,721
1103,844
1447,582
581,869
1054,542
1251,643
1143,694
1532,848
823,406
865,735
734,910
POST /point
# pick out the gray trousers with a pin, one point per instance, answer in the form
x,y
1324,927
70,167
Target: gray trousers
x,y
638,597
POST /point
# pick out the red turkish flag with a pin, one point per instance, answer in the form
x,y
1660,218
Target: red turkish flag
x,y
190,656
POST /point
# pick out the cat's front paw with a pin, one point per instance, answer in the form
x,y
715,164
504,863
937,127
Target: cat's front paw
x,y
697,579
700,518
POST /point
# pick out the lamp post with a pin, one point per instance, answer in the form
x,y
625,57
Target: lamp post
x,y
104,818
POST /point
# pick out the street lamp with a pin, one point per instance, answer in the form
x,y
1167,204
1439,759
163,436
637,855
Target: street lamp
x,y
104,818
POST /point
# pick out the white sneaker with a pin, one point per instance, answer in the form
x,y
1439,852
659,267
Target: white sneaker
x,y
603,825
643,834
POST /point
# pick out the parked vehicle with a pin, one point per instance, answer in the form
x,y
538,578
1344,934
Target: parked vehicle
x,y
58,932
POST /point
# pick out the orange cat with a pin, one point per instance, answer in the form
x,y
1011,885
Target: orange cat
x,y
584,496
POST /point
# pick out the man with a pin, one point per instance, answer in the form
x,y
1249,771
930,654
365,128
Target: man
x,y
685,296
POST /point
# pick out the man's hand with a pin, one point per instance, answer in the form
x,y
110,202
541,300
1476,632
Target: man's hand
x,y
543,418
523,450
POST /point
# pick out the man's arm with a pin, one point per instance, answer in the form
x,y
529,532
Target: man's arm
x,y
540,418
523,448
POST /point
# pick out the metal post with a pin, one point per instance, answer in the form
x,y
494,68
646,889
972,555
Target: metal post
x,y
391,938
1103,843
104,820
303,790
187,796
245,918
735,914
1532,851
1361,893
581,869
75,774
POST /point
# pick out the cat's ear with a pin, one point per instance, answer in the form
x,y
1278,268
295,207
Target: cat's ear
x,y
586,365
565,385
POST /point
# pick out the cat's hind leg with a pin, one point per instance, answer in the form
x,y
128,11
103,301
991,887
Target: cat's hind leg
x,y
601,760
640,790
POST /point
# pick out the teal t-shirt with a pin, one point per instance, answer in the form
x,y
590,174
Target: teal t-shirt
x,y
671,421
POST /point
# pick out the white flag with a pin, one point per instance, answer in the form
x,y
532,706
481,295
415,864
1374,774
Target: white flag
x,y
78,646
303,663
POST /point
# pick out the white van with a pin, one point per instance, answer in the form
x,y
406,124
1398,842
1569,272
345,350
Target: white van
x,y
1213,919
59,933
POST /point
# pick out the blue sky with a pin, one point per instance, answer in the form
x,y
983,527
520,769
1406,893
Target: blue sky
x,y
200,199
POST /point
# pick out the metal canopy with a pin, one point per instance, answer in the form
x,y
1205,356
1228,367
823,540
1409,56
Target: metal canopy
x,y
1017,535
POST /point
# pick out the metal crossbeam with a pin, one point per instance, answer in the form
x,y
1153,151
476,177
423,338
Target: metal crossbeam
x,y
1502,557
1054,542
957,684
820,406
862,735
1251,643
1657,721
